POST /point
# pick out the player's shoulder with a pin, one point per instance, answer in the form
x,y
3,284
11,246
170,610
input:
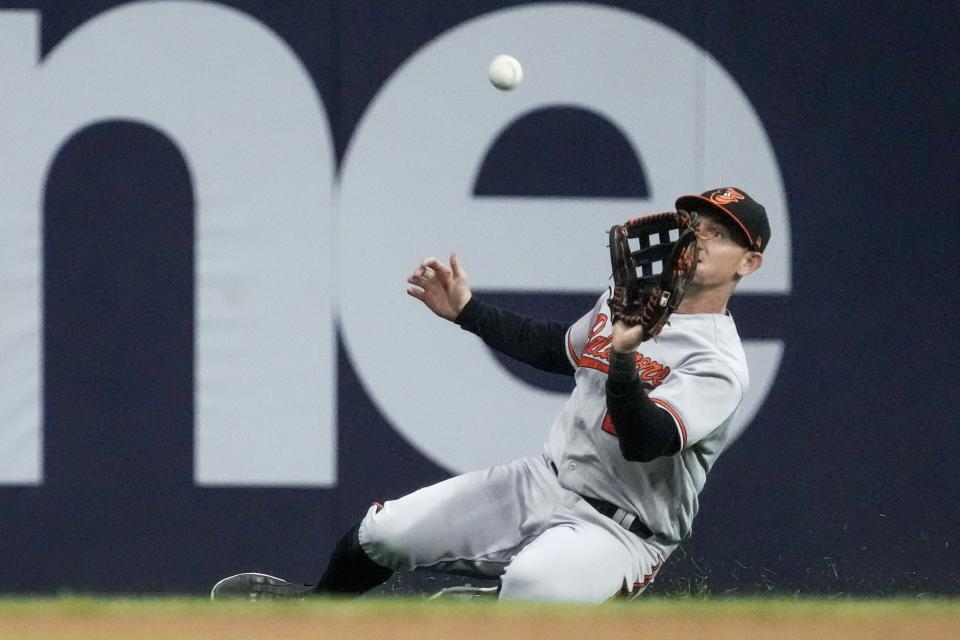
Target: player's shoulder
x,y
729,348
601,306
711,339
605,297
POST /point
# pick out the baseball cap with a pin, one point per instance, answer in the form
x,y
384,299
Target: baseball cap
x,y
748,214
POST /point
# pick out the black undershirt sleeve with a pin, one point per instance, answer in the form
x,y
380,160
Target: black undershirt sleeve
x,y
539,343
645,431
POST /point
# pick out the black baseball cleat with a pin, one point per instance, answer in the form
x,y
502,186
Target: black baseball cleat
x,y
258,586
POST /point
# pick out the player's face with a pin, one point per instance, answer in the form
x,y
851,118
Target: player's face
x,y
724,256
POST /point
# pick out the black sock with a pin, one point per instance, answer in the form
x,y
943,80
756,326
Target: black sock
x,y
350,570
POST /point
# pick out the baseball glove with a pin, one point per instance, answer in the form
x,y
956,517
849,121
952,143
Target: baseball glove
x,y
642,294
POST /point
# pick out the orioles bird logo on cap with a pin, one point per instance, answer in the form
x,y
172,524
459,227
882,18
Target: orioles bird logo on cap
x,y
726,196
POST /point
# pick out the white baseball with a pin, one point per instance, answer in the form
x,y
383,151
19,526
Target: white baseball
x,y
505,72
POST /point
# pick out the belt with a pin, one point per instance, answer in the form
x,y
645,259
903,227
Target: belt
x,y
627,520
618,515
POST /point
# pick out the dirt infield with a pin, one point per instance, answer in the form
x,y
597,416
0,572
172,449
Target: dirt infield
x,y
461,628
699,622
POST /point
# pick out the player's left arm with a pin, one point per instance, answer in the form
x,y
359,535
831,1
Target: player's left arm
x,y
645,431
696,398
700,395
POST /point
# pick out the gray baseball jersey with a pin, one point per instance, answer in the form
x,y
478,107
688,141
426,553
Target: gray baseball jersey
x,y
528,521
696,370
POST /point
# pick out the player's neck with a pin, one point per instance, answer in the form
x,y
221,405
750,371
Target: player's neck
x,y
705,300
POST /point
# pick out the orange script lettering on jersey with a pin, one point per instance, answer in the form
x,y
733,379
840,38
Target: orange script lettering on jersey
x,y
596,355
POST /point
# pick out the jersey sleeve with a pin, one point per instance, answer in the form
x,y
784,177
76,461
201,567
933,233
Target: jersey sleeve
x,y
579,331
701,395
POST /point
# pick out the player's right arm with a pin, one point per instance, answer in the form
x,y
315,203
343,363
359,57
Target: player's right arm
x,y
446,292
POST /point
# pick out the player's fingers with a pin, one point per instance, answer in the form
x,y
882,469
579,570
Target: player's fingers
x,y
421,277
455,266
416,292
438,270
441,269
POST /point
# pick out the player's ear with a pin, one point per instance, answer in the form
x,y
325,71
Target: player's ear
x,y
750,262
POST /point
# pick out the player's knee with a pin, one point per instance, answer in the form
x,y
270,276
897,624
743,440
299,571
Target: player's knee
x,y
522,581
517,584
388,540
532,582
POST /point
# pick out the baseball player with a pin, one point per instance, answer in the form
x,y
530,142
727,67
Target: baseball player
x,y
615,489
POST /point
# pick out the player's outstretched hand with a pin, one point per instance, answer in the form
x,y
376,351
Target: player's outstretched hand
x,y
443,289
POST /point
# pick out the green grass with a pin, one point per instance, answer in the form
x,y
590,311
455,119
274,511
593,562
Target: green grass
x,y
81,606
